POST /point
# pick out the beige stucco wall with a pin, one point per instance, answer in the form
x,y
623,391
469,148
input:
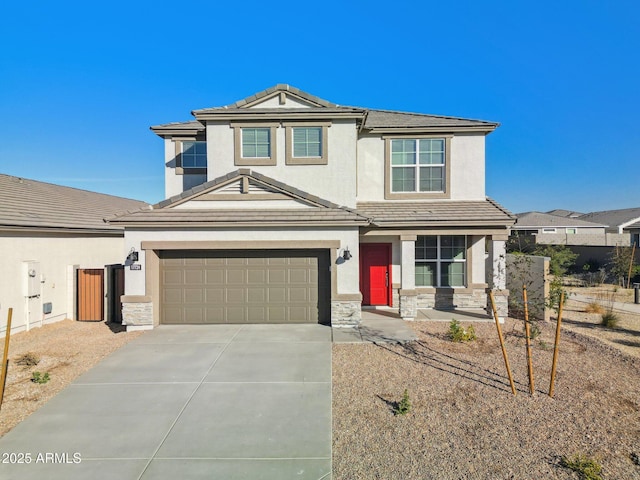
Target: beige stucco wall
x,y
598,238
467,168
57,255
348,280
335,181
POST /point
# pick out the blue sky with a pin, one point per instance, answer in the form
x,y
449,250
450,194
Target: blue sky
x,y
81,82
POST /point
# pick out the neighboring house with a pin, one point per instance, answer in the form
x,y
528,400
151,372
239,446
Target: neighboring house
x,y
558,230
593,236
284,207
624,222
54,242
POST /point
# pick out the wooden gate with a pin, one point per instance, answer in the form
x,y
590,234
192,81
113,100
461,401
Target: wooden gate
x,y
91,294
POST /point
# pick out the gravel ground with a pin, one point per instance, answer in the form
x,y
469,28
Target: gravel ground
x,y
65,349
466,424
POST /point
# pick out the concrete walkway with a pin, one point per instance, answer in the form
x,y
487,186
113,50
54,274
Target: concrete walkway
x,y
189,402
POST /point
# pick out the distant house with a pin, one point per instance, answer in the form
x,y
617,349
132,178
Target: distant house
x,y
592,236
559,230
58,257
624,222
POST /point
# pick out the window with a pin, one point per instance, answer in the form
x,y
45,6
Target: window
x,y
306,143
194,155
548,230
441,261
255,143
571,230
417,167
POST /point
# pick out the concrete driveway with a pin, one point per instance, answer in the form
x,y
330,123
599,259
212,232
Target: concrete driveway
x,y
189,402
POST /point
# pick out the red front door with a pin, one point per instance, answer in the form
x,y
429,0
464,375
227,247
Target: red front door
x,y
375,274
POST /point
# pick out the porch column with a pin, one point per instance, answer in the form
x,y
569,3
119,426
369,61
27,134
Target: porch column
x,y
408,294
497,276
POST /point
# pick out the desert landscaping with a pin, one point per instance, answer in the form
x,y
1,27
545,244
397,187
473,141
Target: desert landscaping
x,y
462,420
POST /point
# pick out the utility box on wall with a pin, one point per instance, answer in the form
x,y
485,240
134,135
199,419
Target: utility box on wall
x,y
31,279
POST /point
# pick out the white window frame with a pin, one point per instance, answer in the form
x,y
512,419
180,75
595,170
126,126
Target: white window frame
x,y
439,261
291,159
571,231
549,230
390,194
240,159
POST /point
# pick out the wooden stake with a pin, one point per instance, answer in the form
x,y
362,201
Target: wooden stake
x,y
527,331
5,359
633,252
504,350
556,347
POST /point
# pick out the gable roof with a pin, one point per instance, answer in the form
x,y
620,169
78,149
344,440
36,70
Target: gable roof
x,y
528,220
320,212
34,205
614,219
276,89
375,120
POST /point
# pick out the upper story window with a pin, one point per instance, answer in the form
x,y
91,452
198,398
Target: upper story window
x,y
194,155
306,143
255,143
441,261
417,167
191,156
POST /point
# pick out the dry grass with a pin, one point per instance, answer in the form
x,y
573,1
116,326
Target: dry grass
x,y
594,307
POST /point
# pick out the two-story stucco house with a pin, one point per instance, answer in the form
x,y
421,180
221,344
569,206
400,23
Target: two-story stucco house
x,y
284,207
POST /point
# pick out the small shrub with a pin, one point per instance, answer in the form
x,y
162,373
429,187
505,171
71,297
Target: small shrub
x,y
457,333
544,345
403,406
28,359
534,330
37,377
594,307
587,468
610,319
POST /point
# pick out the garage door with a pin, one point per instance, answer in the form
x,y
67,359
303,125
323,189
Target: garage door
x,y
275,286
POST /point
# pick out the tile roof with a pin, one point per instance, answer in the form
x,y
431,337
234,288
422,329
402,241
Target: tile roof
x,y
320,211
32,204
613,218
372,118
178,127
244,172
233,217
395,119
281,87
437,213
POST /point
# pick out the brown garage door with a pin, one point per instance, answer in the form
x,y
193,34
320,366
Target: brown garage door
x,y
274,286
